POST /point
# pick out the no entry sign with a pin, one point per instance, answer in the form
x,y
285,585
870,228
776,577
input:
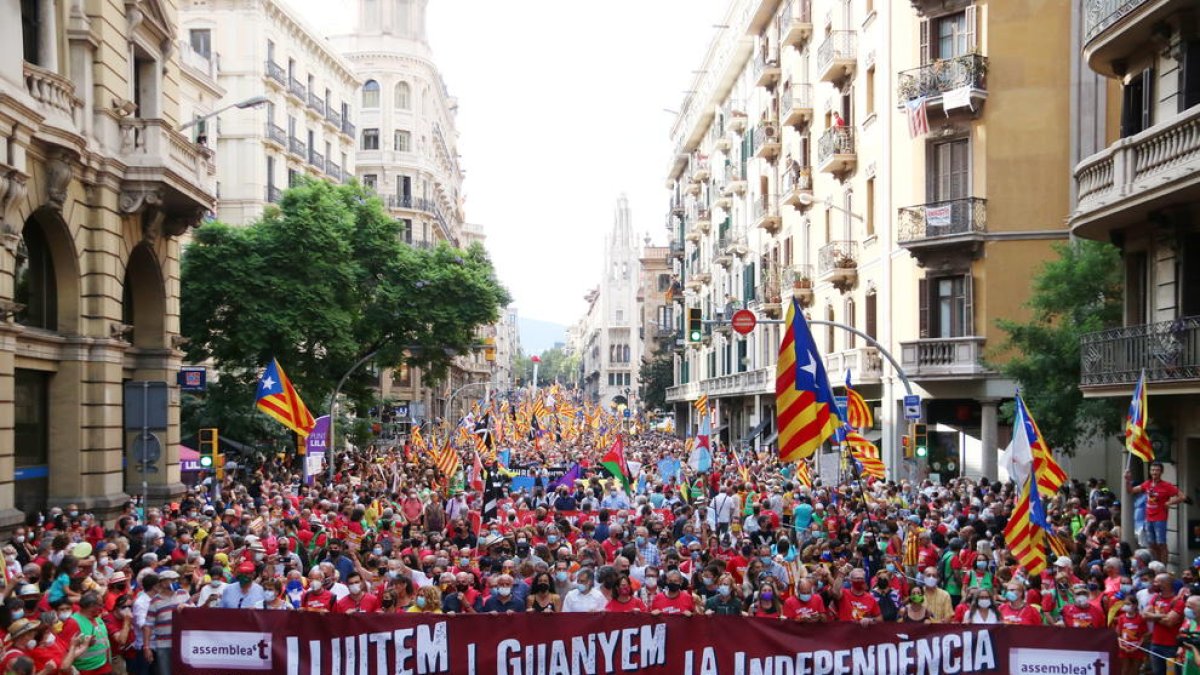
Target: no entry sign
x,y
744,321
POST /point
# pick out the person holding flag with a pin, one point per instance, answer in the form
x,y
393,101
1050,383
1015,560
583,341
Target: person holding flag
x,y
1160,497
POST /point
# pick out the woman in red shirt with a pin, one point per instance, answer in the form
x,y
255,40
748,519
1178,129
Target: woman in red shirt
x,y
623,599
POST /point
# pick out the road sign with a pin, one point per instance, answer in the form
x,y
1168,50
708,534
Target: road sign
x,y
146,449
192,378
744,321
912,407
628,413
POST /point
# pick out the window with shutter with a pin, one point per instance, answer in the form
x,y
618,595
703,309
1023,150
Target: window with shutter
x,y
923,307
870,310
926,52
968,326
971,26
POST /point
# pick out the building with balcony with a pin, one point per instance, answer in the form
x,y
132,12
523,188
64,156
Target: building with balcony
x,y
659,322
264,49
918,241
96,188
1137,184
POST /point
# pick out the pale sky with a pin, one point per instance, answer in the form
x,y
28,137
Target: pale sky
x,y
561,109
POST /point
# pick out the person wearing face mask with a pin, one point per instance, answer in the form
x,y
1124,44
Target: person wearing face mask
x,y
1131,630
766,603
246,593
650,585
623,598
585,597
502,600
981,609
1082,612
937,601
317,598
980,574
728,598
88,625
273,595
428,600
1015,611
676,600
857,604
915,610
1166,609
542,597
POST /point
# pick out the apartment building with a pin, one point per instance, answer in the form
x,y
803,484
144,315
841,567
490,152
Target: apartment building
x,y
611,333
656,311
304,129
97,186
1136,184
795,175
508,348
407,153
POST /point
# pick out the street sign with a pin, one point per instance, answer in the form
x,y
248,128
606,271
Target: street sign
x,y
839,401
192,378
146,449
912,407
628,413
401,410
744,321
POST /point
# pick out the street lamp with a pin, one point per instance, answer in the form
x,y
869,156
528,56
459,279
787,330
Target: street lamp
x,y
252,102
807,199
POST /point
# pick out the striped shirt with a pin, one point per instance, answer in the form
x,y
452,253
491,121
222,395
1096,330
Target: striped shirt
x,y
160,615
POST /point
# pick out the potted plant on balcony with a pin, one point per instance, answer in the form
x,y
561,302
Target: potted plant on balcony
x,y
845,262
801,281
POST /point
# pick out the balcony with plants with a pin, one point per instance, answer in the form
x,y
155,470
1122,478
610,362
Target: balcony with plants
x,y
837,264
947,85
836,151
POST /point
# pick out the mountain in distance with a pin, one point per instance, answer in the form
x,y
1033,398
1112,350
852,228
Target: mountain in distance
x,y
537,336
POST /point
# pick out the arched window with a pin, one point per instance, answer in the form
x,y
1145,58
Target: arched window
x,y
36,285
371,94
403,96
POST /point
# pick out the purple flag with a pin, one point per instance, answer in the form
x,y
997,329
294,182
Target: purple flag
x,y
315,447
568,479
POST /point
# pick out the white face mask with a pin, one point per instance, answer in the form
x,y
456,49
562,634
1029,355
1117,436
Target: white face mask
x,y
355,588
315,585
984,603
270,596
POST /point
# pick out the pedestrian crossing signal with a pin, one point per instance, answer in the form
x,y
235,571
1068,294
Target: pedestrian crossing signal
x,y
209,447
695,324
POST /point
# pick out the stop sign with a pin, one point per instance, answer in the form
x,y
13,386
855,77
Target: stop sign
x,y
744,321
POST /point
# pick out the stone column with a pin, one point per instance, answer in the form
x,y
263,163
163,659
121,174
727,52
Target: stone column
x,y
990,435
11,53
47,35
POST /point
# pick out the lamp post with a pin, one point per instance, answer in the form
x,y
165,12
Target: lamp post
x,y
252,102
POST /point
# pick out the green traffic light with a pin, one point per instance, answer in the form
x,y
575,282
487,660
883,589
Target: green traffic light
x,y
695,336
922,451
205,461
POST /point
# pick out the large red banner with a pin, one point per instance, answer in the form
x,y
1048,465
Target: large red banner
x,y
300,643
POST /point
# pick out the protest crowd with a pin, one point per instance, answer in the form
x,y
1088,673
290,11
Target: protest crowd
x,y
536,521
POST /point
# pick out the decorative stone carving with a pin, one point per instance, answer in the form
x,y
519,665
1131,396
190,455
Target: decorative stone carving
x,y
120,331
147,204
178,223
179,341
58,179
12,191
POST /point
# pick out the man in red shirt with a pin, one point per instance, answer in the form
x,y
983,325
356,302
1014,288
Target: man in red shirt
x,y
359,600
674,600
857,605
1015,611
317,598
1165,609
1082,613
805,606
1160,497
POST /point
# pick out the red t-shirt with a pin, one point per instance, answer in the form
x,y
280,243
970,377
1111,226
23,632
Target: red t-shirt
x,y
632,605
1157,495
315,601
854,607
1165,636
677,605
1131,628
365,603
1026,616
797,609
1088,616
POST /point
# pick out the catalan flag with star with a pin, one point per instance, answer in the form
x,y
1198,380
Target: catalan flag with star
x,y
279,400
805,411
858,413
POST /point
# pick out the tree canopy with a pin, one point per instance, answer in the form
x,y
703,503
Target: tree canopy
x,y
1078,292
319,283
655,376
556,366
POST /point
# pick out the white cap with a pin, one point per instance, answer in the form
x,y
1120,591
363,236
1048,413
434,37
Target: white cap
x,y
1062,561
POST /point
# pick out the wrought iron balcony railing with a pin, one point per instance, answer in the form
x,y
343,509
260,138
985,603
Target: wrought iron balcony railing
x,y
332,116
316,103
1169,351
276,133
297,146
297,89
274,194
317,160
837,255
835,141
1099,15
935,79
839,45
942,219
276,72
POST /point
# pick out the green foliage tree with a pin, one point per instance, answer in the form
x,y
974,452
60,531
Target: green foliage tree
x,y
556,366
655,376
319,283
1078,292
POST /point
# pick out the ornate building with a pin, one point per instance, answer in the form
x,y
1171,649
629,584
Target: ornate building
x,y
96,187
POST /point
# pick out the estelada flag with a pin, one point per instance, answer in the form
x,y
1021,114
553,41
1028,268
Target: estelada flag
x,y
805,411
278,398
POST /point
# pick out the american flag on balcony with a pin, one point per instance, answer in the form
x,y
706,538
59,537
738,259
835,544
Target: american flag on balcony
x,y
918,117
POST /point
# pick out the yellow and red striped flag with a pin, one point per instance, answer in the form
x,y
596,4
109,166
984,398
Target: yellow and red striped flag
x,y
447,461
1137,441
805,411
278,399
866,454
701,405
804,473
1028,528
858,413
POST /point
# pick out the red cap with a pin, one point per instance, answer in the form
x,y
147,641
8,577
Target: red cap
x,y
245,568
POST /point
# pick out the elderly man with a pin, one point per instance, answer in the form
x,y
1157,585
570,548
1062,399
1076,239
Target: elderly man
x,y
503,600
1166,610
937,600
585,597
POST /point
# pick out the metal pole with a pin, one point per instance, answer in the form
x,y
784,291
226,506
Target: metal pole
x,y
455,393
333,410
145,448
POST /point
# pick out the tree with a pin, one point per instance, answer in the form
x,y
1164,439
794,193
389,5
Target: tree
x,y
1079,292
320,283
655,376
556,366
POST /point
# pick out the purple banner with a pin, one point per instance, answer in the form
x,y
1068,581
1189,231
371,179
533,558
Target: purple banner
x,y
315,447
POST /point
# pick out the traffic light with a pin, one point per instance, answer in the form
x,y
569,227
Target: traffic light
x,y
907,443
489,348
209,447
921,440
695,324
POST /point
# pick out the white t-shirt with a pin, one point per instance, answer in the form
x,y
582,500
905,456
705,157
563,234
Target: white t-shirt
x,y
725,506
592,601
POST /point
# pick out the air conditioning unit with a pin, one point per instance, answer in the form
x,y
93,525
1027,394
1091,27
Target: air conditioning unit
x,y
771,131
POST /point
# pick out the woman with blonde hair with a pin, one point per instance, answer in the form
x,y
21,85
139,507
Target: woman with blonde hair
x,y
428,600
